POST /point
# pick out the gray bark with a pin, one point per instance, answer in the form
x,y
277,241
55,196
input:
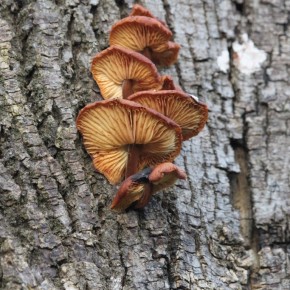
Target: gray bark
x,y
226,227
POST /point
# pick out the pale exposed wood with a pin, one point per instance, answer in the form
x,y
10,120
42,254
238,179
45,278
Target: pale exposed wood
x,y
226,227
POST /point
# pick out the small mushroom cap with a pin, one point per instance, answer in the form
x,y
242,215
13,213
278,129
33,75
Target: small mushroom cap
x,y
133,189
114,65
188,113
165,175
168,56
140,32
110,127
139,10
168,84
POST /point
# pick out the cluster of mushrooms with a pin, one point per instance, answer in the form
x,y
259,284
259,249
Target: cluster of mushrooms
x,y
137,131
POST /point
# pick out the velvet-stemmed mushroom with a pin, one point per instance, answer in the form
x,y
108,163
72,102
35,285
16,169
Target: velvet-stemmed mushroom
x,y
168,84
164,175
132,189
147,36
139,187
139,10
183,109
123,137
120,72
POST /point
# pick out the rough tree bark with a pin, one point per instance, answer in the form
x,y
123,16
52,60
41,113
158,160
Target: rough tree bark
x,y
226,227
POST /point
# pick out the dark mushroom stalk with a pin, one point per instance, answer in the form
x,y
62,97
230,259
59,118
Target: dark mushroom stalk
x,y
132,189
147,52
137,189
134,151
127,88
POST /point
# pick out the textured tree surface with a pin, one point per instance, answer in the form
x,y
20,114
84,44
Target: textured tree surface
x,y
225,227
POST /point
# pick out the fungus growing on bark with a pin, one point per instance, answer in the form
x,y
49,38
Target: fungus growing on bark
x,y
123,137
141,186
139,10
167,83
120,72
132,189
188,113
147,36
165,175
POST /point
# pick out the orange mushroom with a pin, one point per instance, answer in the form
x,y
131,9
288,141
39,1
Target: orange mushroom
x,y
183,109
139,187
139,10
165,175
120,72
123,137
168,84
132,189
147,36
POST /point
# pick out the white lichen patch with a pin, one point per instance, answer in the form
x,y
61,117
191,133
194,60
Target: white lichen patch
x,y
223,61
247,58
68,285
194,97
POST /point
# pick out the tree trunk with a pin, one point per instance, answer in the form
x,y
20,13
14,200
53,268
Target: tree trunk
x,y
225,227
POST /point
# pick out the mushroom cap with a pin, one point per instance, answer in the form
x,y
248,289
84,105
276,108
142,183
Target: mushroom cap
x,y
188,113
110,127
165,175
114,65
139,10
168,56
141,32
168,84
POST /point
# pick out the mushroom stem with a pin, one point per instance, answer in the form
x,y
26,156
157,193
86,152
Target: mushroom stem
x,y
133,160
148,191
127,88
147,52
